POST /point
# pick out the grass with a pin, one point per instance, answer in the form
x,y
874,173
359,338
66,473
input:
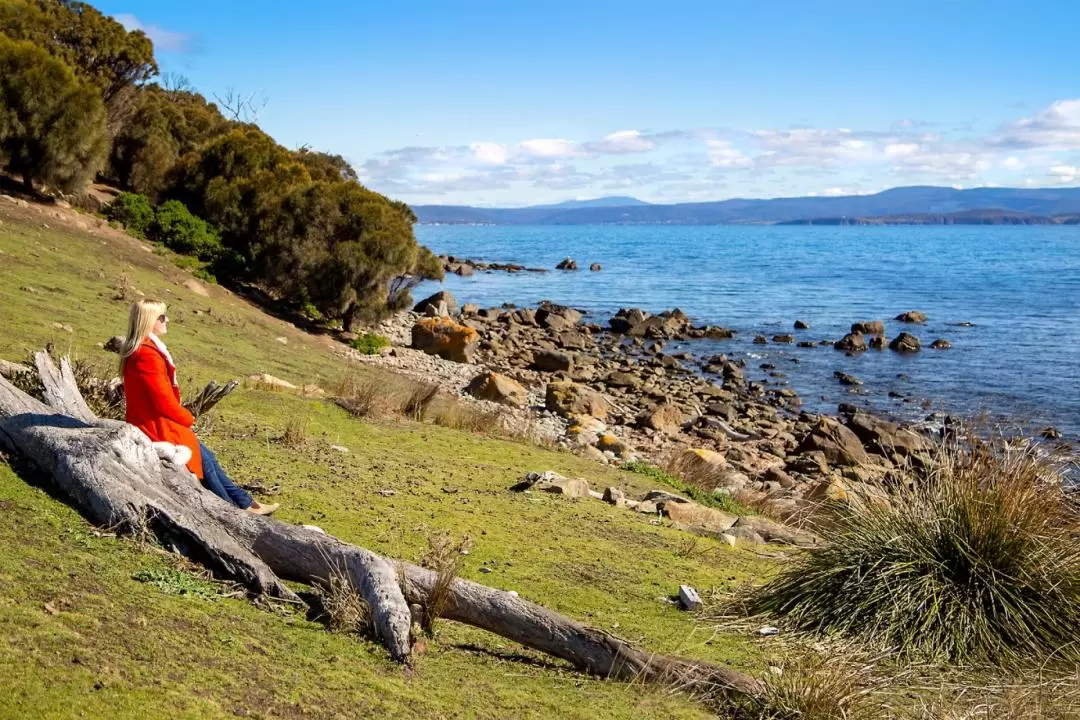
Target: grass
x,y
978,561
715,500
370,343
121,648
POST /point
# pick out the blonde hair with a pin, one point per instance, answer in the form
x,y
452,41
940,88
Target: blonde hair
x,y
144,314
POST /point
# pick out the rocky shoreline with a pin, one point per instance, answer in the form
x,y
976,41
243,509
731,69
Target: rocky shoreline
x,y
616,394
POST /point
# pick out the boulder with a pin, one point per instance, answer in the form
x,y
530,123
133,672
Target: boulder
x,y
783,339
463,270
572,340
773,532
912,316
609,443
838,444
801,325
905,343
267,381
941,344
568,398
869,327
886,438
498,388
595,267
626,318
196,287
445,338
567,264
852,342
115,344
846,379
436,301
557,317
553,482
879,342
615,496
715,332
694,515
708,466
553,361
666,418
621,379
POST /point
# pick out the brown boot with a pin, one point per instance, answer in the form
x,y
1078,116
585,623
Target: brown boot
x,y
258,508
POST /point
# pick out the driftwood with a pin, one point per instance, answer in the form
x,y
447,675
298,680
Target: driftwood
x,y
210,396
110,472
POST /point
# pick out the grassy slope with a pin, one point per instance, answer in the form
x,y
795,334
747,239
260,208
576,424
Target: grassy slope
x,y
121,648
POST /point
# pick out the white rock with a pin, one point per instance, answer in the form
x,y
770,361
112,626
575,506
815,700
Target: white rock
x,y
339,448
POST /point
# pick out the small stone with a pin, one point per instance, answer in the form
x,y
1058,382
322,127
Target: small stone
x,y
768,630
339,448
386,493
282,340
801,325
485,570
689,598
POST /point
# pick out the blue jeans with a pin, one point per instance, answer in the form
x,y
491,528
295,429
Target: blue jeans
x,y
218,482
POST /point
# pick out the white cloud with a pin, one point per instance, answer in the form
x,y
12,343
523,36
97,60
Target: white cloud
x,y
622,142
1012,163
721,154
1055,127
900,149
1064,174
163,39
548,147
488,153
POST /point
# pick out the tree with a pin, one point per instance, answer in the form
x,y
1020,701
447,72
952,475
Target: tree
x,y
52,127
100,50
326,167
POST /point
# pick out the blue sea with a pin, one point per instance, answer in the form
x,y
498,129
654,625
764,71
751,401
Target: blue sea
x,y
1020,286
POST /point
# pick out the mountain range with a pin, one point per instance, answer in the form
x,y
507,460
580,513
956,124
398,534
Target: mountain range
x,y
944,205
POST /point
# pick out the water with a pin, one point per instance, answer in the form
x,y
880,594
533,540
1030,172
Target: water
x,y
1020,286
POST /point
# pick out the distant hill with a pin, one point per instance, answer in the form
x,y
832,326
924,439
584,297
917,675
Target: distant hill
x,y
918,200
604,202
964,217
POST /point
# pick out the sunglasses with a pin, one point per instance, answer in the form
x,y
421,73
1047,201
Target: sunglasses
x,y
163,318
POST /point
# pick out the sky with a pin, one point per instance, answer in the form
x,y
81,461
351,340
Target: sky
x,y
518,102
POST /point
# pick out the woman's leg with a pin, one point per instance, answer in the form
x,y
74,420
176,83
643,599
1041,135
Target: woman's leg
x,y
219,483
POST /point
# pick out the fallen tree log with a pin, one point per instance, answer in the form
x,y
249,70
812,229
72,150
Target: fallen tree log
x,y
110,472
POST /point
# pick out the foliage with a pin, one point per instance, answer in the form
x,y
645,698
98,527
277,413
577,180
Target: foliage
x,y
370,343
52,127
325,167
720,502
177,582
977,561
134,211
182,232
104,54
165,125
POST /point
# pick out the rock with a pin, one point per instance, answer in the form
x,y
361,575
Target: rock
x,y
557,317
499,389
115,344
869,327
801,325
571,340
553,482
340,448
781,478
595,267
1050,433
838,444
620,379
941,344
886,438
608,443
761,340
707,466
773,532
905,343
463,270
645,507
265,380
852,342
283,340
666,418
553,361
728,538
879,342
783,339
627,318
568,398
715,332
445,338
196,287
443,297
567,264
615,496
63,327
912,316
689,598
807,344
470,309
846,379
694,515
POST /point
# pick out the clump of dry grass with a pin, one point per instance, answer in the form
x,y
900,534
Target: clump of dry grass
x,y
445,556
295,434
419,400
810,688
345,610
978,560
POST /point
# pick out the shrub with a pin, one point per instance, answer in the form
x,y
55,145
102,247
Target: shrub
x,y
133,211
370,344
182,232
977,560
725,503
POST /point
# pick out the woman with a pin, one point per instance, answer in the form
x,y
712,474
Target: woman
x,y
153,404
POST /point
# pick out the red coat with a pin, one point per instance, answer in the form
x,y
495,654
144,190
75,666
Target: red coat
x,y
153,402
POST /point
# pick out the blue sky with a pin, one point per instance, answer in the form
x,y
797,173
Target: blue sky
x,y
512,102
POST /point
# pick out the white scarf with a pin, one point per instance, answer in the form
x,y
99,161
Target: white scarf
x,y
168,358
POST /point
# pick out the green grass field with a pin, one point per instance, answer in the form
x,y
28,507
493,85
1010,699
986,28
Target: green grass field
x,y
81,637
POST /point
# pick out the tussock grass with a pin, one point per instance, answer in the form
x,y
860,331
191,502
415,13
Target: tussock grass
x,y
978,560
345,610
810,688
693,491
445,556
295,436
